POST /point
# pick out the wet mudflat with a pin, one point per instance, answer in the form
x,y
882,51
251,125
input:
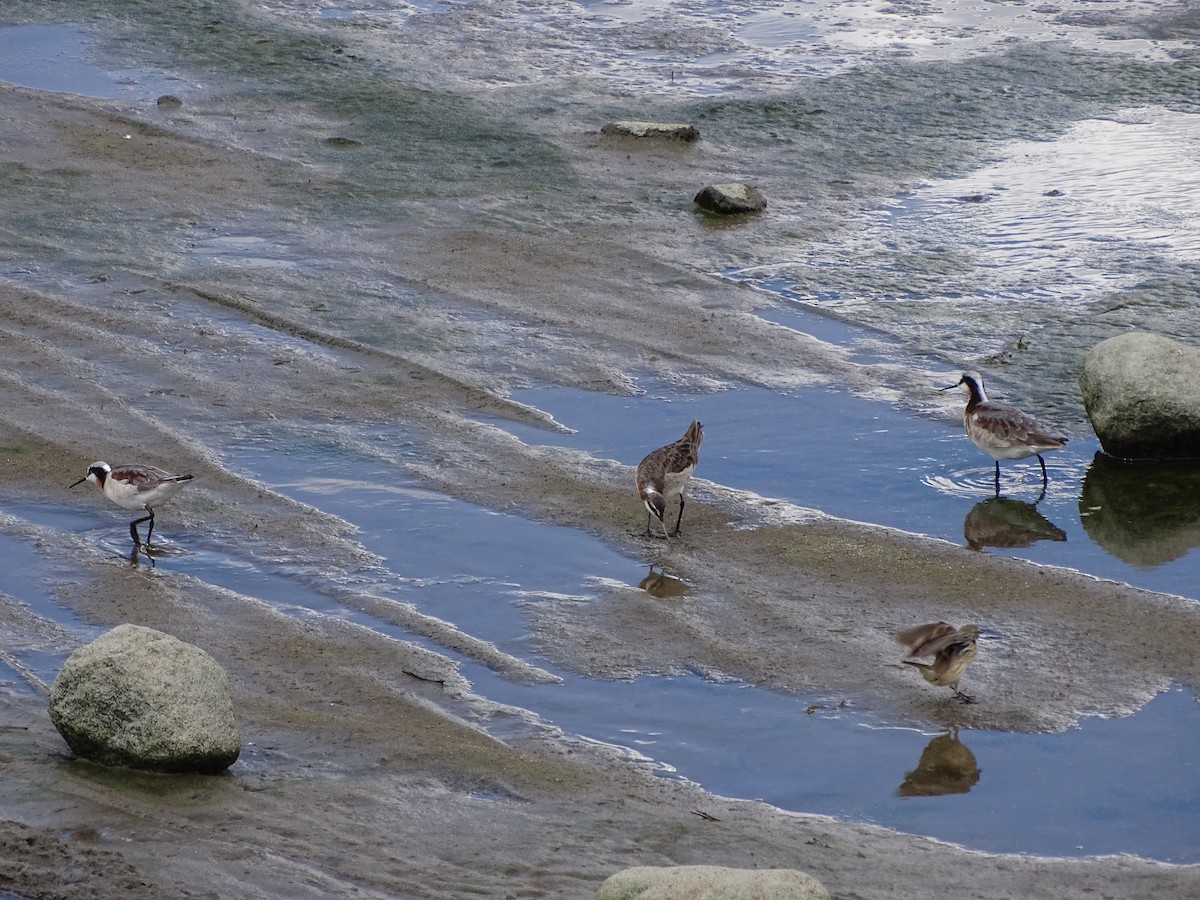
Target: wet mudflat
x,y
476,573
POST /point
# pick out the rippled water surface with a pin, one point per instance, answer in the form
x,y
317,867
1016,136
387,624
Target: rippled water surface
x,y
1022,265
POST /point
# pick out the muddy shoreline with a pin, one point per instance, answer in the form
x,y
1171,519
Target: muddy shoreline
x,y
368,766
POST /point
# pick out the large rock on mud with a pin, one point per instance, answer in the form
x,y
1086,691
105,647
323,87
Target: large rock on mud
x,y
710,883
730,199
670,131
1139,390
138,698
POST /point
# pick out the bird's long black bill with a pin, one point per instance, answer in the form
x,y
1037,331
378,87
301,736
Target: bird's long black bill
x,y
79,482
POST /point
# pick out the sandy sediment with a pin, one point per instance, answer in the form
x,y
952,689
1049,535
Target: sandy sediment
x,y
368,765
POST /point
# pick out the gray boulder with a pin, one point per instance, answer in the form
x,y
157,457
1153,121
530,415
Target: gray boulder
x,y
670,131
138,698
730,199
1139,390
710,883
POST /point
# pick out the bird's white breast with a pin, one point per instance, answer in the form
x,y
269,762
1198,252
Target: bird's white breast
x,y
673,482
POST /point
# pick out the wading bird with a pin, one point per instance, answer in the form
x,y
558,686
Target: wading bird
x,y
1002,431
135,487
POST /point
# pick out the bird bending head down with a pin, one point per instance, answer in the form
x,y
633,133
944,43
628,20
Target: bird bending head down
x,y
663,474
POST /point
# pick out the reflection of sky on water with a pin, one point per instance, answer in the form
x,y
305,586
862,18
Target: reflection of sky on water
x,y
55,58
858,459
471,567
1045,223
1027,261
1049,209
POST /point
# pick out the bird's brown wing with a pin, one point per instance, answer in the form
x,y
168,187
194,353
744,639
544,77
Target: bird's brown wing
x,y
676,456
680,455
1014,426
143,478
960,641
919,639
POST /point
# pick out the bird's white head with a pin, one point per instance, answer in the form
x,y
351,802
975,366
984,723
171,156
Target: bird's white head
x,y
972,383
96,473
655,503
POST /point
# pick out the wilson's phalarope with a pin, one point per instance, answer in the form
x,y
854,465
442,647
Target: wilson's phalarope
x,y
135,487
663,473
1002,431
952,650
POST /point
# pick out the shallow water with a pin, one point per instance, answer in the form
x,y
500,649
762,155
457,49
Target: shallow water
x,y
1109,786
1023,264
862,459
58,58
31,657
471,567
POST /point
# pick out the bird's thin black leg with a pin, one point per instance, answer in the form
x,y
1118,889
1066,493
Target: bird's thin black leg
x,y
1043,462
136,522
679,521
997,478
963,697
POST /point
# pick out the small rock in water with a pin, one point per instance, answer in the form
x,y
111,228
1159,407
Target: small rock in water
x,y
672,131
169,101
141,699
731,199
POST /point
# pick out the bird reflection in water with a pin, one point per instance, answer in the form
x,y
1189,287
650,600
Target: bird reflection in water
x,y
660,584
1007,523
946,766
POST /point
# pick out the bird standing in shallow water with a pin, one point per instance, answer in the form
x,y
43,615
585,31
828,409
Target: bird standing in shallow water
x,y
663,473
952,650
135,487
1002,431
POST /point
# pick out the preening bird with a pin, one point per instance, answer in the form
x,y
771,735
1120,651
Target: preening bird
x,y
952,650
